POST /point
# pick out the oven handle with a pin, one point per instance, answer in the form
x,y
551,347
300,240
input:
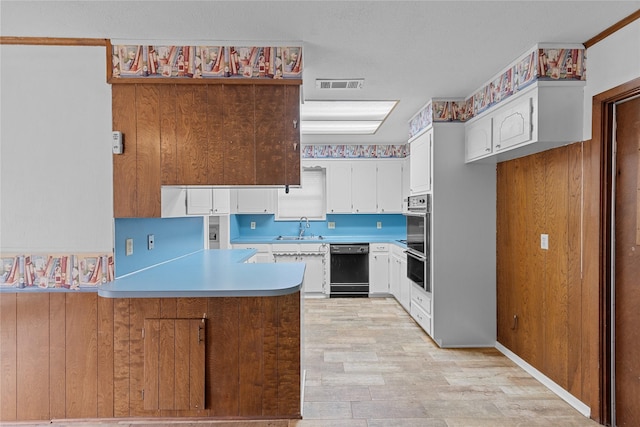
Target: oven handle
x,y
422,213
416,255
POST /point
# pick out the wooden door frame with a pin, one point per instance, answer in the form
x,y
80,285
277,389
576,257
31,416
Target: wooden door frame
x,y
598,216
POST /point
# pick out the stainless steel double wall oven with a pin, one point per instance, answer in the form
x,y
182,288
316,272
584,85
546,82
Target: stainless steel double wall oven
x,y
419,241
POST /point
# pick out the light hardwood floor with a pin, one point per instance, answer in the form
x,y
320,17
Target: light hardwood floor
x,y
368,365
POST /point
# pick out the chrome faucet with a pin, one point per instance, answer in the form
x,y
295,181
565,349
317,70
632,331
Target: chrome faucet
x,y
304,218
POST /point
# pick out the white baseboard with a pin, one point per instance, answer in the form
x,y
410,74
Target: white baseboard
x,y
546,381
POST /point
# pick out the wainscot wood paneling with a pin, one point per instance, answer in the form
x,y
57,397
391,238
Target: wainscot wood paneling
x,y
540,312
32,352
106,354
8,354
57,355
77,355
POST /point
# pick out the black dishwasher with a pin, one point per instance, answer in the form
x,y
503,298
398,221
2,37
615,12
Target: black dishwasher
x,y
349,270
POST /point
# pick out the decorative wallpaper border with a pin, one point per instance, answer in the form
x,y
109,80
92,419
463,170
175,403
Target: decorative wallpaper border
x,y
355,151
550,64
255,62
70,271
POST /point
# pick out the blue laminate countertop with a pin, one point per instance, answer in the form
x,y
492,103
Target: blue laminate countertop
x,y
209,273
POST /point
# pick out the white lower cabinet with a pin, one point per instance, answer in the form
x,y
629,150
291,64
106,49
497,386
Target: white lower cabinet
x,y
314,256
421,307
378,268
405,285
263,255
399,284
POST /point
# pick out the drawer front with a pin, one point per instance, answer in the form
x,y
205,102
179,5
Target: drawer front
x,y
420,316
421,298
379,247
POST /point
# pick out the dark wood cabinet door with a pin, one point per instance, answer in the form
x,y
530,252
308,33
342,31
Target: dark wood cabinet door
x,y
174,360
191,134
148,151
270,134
136,172
292,135
231,134
124,165
239,131
215,134
168,135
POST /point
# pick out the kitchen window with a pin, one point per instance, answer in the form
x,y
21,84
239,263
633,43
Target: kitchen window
x,y
308,200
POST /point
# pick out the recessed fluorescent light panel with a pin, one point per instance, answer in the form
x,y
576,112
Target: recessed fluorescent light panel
x,y
343,117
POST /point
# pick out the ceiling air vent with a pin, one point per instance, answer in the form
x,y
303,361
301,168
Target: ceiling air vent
x,y
339,84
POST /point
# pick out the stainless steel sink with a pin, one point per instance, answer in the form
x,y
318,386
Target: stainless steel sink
x,y
299,238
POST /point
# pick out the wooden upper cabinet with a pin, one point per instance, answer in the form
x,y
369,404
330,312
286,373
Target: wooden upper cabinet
x,y
136,172
292,135
239,135
204,134
269,135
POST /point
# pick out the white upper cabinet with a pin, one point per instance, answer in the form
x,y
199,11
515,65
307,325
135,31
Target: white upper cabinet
x,y
478,138
420,163
363,187
255,200
389,186
208,201
543,116
173,201
339,187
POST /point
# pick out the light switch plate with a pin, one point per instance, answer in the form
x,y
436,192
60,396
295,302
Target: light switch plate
x,y
544,241
150,241
129,247
253,225
379,224
331,225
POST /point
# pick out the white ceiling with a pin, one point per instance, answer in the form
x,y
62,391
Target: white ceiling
x,y
409,51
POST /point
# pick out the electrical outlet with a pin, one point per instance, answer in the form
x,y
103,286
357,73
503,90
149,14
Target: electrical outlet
x,y
379,225
150,241
253,225
544,241
331,225
128,247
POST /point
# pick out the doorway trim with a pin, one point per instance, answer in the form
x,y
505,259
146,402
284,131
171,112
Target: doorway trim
x,y
598,268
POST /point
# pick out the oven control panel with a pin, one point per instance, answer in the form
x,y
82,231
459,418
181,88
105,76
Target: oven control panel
x,y
420,203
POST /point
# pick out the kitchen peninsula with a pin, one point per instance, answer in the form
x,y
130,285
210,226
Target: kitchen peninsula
x,y
204,335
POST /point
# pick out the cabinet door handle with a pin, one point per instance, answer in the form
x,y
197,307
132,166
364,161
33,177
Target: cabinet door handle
x,y
515,322
295,146
487,149
200,338
295,124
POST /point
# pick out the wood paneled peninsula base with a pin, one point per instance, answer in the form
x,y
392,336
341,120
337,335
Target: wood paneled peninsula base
x,y
70,355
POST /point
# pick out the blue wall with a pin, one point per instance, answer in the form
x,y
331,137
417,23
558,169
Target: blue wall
x,y
393,225
174,237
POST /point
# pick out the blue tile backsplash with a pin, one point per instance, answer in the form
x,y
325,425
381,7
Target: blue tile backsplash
x,y
174,237
346,225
